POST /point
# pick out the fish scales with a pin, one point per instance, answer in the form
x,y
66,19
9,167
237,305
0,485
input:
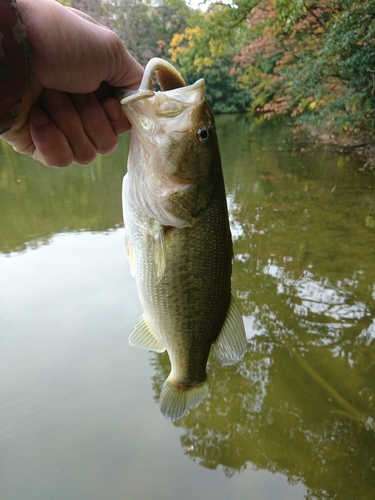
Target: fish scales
x,y
178,235
204,278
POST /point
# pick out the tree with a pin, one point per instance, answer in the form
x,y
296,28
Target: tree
x,y
145,27
205,49
312,60
222,90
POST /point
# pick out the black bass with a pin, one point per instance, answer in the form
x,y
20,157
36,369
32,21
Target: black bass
x,y
177,232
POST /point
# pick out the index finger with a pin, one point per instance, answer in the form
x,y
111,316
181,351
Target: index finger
x,y
115,115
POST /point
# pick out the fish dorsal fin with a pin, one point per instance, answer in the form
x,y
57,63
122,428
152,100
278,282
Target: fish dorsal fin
x,y
230,346
174,401
159,253
143,336
130,254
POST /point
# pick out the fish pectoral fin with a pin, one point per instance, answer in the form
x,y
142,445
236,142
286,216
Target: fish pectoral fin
x,y
230,346
174,401
143,336
130,254
159,253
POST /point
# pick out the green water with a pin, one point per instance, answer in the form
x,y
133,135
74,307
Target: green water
x,y
294,419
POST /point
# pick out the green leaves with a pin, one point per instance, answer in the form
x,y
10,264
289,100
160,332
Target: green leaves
x,y
312,60
205,49
223,92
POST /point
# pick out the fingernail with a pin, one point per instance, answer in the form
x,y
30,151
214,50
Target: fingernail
x,y
113,110
38,118
53,97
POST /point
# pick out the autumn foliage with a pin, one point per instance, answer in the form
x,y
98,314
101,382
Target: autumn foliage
x,y
313,59
310,60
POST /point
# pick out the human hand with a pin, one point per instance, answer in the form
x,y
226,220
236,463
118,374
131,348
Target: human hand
x,y
69,114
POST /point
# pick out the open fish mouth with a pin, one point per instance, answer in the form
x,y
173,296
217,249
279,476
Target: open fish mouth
x,y
163,124
168,78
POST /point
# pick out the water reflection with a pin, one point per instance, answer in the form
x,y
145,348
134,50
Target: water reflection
x,y
37,202
302,402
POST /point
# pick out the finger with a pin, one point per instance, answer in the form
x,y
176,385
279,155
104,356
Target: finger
x,y
115,115
85,16
128,74
95,122
61,111
48,144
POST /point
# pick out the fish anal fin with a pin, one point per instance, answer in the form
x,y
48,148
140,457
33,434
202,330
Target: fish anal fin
x,y
143,337
174,400
230,346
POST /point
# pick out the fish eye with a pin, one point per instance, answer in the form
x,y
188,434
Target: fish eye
x,y
203,133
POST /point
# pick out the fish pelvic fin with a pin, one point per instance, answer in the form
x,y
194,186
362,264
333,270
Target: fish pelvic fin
x,y
174,400
230,346
143,336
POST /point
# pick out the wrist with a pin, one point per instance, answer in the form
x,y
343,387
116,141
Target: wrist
x,y
13,64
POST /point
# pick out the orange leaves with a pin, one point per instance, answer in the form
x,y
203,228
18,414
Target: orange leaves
x,y
276,107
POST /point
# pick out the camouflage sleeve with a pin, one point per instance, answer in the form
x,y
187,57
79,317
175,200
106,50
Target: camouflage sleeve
x,y
13,63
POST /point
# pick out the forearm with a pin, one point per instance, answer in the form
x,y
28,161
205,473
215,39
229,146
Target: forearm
x,y
13,63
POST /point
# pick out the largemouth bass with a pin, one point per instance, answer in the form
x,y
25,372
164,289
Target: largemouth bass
x,y
177,234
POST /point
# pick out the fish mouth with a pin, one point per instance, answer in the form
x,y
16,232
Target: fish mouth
x,y
169,79
162,124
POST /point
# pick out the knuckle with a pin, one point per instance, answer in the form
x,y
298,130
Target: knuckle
x,y
85,156
108,147
53,160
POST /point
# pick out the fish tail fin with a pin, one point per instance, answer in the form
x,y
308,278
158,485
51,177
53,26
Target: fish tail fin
x,y
174,401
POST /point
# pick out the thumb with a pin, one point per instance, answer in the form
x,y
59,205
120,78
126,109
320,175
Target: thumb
x,y
127,72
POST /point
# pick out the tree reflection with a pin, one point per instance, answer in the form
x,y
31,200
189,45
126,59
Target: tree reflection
x,y
37,202
302,401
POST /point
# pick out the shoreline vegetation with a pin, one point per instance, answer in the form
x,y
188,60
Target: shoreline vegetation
x,y
362,146
310,61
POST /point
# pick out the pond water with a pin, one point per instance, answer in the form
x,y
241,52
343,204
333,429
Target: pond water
x,y
295,419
